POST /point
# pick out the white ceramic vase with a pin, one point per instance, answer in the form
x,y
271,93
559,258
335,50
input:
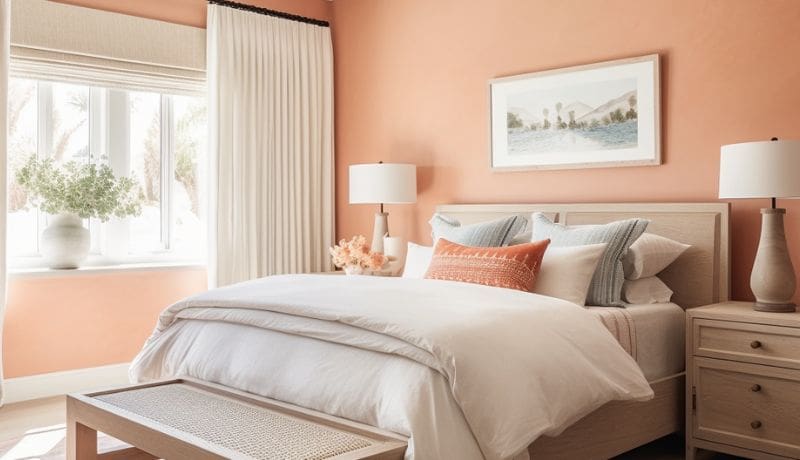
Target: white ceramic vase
x,y
65,242
354,270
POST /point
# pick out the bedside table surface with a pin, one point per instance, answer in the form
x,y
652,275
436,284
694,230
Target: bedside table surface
x,y
743,312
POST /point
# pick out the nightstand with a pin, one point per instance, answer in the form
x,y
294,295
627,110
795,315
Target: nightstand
x,y
742,381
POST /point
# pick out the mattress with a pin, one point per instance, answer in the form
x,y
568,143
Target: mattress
x,y
652,333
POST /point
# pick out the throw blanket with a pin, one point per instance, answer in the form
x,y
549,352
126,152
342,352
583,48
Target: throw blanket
x,y
519,365
620,324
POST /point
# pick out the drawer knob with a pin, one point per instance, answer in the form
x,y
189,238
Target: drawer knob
x,y
755,388
755,424
755,344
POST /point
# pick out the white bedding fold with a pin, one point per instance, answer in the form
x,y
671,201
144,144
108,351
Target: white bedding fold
x,y
518,365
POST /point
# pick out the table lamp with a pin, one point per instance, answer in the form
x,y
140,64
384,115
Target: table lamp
x,y
382,183
768,169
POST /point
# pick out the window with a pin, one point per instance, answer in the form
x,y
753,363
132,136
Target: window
x,y
157,138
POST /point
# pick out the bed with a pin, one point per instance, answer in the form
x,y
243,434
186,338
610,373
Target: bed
x,y
212,340
699,277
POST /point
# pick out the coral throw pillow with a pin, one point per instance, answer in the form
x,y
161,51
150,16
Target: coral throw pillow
x,y
512,267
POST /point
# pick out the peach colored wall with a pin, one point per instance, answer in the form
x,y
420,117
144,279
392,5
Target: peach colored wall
x,y
193,12
411,86
56,323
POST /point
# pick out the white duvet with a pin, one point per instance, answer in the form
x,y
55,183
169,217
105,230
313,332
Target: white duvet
x,y
466,371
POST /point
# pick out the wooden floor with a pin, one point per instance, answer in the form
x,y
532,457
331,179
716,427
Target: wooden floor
x,y
35,430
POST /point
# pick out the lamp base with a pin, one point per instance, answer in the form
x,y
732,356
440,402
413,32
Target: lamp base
x,y
773,280
775,307
380,230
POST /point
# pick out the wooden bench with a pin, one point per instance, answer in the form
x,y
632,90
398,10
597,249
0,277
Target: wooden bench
x,y
189,419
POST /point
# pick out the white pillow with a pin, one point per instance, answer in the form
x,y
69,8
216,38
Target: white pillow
x,y
646,290
521,238
417,260
567,271
649,255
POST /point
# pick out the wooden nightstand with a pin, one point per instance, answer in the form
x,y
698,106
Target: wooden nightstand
x,y
742,381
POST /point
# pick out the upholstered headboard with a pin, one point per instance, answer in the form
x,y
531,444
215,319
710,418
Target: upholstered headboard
x,y
699,277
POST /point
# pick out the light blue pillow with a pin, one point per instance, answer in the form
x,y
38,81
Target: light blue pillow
x,y
606,287
494,233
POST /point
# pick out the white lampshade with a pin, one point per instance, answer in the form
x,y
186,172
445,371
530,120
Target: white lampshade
x,y
383,183
769,169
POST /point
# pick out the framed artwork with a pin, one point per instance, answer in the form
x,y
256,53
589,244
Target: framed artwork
x,y
590,116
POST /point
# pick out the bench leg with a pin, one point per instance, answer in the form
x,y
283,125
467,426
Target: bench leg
x,y
81,441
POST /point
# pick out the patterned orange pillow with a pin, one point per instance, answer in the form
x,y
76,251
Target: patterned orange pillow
x,y
512,267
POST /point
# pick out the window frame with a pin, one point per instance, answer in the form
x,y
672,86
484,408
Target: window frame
x,y
109,131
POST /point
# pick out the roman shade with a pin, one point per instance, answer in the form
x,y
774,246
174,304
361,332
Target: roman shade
x,y
54,41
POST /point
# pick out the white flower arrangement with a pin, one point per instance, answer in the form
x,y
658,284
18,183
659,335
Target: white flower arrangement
x,y
86,190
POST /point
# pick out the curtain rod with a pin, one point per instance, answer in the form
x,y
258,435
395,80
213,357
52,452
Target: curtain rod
x,y
268,12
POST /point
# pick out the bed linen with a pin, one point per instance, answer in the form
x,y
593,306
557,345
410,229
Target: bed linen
x,y
466,371
660,331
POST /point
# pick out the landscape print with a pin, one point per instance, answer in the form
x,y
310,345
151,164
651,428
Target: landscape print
x,y
600,115
585,117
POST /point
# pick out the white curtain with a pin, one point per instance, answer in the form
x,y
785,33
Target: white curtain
x,y
5,44
270,83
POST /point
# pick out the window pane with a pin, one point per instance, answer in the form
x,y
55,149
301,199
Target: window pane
x,y
70,123
189,150
22,129
145,150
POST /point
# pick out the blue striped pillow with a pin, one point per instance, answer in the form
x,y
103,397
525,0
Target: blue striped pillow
x,y
606,287
494,233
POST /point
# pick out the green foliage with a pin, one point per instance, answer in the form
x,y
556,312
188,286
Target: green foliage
x,y
152,161
186,155
514,121
82,189
631,114
617,116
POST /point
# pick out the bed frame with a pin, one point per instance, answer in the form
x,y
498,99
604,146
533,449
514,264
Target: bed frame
x,y
700,276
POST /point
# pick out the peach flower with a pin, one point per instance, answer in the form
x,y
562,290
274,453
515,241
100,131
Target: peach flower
x,y
356,253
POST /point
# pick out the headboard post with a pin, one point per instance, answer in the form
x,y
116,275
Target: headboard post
x,y
698,277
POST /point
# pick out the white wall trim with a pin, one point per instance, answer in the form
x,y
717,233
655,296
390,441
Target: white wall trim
x,y
59,383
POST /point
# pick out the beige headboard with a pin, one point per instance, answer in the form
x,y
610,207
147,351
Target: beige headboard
x,y
699,277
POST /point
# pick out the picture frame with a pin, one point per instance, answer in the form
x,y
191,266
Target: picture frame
x,y
606,114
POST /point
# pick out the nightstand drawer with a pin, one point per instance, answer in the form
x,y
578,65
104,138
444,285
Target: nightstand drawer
x,y
747,405
753,343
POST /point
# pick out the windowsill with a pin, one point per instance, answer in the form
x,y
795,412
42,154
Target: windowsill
x,y
103,269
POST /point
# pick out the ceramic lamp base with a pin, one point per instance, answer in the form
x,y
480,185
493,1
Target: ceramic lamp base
x,y
775,307
773,280
380,230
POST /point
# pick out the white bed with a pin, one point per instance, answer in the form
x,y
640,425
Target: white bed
x,y
658,338
466,371
424,393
